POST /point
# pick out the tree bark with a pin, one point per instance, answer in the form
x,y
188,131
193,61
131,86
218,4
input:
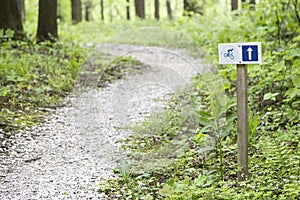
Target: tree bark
x,y
87,13
156,9
140,8
169,10
47,21
10,16
102,9
234,5
128,10
21,7
76,11
88,6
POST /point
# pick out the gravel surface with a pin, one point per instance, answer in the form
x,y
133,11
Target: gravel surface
x,y
76,147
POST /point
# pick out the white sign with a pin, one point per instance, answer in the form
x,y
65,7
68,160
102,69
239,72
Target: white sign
x,y
240,53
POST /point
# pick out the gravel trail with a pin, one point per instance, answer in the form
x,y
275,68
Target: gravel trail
x,y
76,147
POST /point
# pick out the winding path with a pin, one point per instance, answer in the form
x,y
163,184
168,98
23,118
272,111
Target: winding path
x,y
76,147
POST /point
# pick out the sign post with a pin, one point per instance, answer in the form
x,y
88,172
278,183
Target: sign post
x,y
242,120
241,54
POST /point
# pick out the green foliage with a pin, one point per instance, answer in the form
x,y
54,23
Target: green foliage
x,y
34,76
183,153
194,7
273,118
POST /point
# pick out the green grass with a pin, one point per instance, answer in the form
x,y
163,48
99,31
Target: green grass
x,y
34,76
274,155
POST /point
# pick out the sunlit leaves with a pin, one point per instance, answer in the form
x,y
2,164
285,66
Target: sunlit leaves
x,y
33,77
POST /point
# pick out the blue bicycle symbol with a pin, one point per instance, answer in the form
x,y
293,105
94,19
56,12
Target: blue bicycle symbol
x,y
229,54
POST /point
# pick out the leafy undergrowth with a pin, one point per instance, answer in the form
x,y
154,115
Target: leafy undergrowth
x,y
34,77
184,153
171,160
193,155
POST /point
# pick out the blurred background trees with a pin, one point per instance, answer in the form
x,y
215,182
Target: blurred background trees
x,y
52,12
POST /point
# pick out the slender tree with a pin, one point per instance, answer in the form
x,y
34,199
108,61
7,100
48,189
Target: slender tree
x,y
140,8
128,10
10,16
102,9
169,10
156,9
234,5
88,6
76,11
47,21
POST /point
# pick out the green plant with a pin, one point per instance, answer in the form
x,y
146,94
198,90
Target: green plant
x,y
273,117
214,114
33,77
253,126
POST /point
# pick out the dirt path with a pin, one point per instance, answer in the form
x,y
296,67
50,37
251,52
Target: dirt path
x,y
76,147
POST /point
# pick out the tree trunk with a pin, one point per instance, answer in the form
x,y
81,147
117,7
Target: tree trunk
x,y
140,8
88,6
234,5
128,10
47,21
21,7
156,9
10,16
169,10
102,9
87,13
76,11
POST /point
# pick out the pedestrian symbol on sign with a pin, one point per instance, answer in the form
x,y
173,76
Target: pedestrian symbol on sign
x,y
250,53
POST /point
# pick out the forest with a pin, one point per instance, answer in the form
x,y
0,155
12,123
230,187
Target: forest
x,y
49,50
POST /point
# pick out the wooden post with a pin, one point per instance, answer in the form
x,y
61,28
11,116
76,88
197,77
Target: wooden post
x,y
242,120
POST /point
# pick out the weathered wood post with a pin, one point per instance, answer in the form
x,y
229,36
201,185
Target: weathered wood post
x,y
242,121
241,54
